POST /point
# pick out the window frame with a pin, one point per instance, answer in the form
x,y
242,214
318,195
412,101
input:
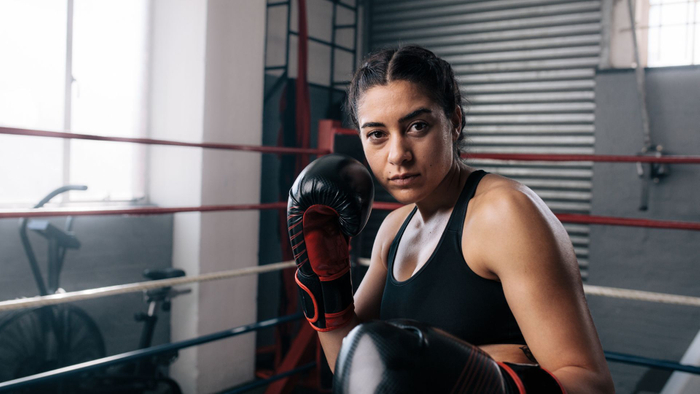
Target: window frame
x,y
140,188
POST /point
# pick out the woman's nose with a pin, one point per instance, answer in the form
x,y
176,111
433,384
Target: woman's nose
x,y
399,151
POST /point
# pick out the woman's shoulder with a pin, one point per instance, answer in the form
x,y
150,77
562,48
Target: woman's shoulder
x,y
497,193
500,201
508,222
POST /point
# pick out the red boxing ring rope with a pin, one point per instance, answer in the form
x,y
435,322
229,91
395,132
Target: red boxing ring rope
x,y
41,212
379,205
338,130
327,131
149,141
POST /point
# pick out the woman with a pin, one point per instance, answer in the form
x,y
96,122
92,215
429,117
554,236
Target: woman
x,y
476,255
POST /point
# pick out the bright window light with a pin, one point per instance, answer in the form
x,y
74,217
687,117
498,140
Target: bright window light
x,y
108,96
109,52
674,32
33,47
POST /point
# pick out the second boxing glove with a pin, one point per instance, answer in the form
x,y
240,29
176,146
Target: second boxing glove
x,y
329,202
407,357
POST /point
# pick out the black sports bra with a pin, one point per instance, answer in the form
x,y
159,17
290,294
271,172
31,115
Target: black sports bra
x,y
446,293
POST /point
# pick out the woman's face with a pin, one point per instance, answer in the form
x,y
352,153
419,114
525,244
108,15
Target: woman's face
x,y
407,139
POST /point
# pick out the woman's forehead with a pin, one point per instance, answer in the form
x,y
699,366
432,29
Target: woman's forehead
x,y
394,97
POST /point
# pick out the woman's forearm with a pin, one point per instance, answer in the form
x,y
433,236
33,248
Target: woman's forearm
x,y
579,380
331,341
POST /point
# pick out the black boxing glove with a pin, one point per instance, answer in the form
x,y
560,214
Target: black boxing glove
x,y
403,356
329,202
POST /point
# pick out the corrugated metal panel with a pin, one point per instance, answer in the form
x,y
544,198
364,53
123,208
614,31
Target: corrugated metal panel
x,y
516,170
490,46
384,8
557,184
578,240
545,150
437,30
517,129
528,140
524,119
494,36
458,15
545,75
556,97
556,53
542,86
527,108
527,67
590,61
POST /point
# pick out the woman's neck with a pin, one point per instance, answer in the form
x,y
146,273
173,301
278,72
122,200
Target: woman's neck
x,y
445,196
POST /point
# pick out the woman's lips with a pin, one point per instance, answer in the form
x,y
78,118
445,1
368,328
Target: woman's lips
x,y
403,179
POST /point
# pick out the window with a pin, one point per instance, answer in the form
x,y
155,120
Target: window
x,y
674,32
101,90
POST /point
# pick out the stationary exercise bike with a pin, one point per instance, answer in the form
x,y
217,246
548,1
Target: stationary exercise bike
x,y
41,339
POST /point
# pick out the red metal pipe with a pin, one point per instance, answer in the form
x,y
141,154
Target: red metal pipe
x,y
386,206
596,158
150,141
551,157
614,221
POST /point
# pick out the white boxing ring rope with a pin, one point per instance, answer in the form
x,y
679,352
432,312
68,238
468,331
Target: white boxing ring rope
x,y
641,295
54,299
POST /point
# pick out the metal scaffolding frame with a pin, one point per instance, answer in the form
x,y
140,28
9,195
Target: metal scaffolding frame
x,y
333,84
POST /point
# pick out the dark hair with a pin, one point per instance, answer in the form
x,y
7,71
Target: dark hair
x,y
411,63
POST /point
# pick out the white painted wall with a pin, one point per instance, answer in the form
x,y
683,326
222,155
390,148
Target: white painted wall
x,y
232,114
681,382
207,86
621,54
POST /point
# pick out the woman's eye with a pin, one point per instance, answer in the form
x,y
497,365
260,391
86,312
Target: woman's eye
x,y
419,126
373,135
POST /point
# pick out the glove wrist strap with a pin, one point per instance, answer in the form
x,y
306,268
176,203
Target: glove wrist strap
x,y
327,302
530,378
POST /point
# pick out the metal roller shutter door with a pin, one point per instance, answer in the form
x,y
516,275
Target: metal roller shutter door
x,y
527,67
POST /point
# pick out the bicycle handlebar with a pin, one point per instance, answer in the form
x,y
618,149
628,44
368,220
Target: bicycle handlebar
x,y
58,191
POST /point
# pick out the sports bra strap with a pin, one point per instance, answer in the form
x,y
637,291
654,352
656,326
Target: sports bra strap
x,y
459,212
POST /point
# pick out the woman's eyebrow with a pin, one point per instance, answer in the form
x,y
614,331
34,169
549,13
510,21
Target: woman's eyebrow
x,y
402,120
415,113
372,124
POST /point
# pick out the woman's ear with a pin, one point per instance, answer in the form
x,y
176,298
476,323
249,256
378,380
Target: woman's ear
x,y
456,123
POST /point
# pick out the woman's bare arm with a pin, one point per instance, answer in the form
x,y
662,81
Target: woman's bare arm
x,y
522,244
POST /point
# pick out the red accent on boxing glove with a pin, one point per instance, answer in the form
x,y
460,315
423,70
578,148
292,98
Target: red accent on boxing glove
x,y
329,202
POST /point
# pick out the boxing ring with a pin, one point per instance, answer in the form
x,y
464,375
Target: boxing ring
x,y
293,364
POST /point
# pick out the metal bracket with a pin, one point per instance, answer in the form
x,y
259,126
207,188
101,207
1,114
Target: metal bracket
x,y
654,172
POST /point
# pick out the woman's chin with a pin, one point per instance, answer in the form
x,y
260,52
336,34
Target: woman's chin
x,y
405,196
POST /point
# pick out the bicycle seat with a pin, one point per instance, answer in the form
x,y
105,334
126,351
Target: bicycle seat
x,y
163,273
49,231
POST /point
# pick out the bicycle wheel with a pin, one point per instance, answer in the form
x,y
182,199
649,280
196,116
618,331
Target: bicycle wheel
x,y
166,386
42,339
